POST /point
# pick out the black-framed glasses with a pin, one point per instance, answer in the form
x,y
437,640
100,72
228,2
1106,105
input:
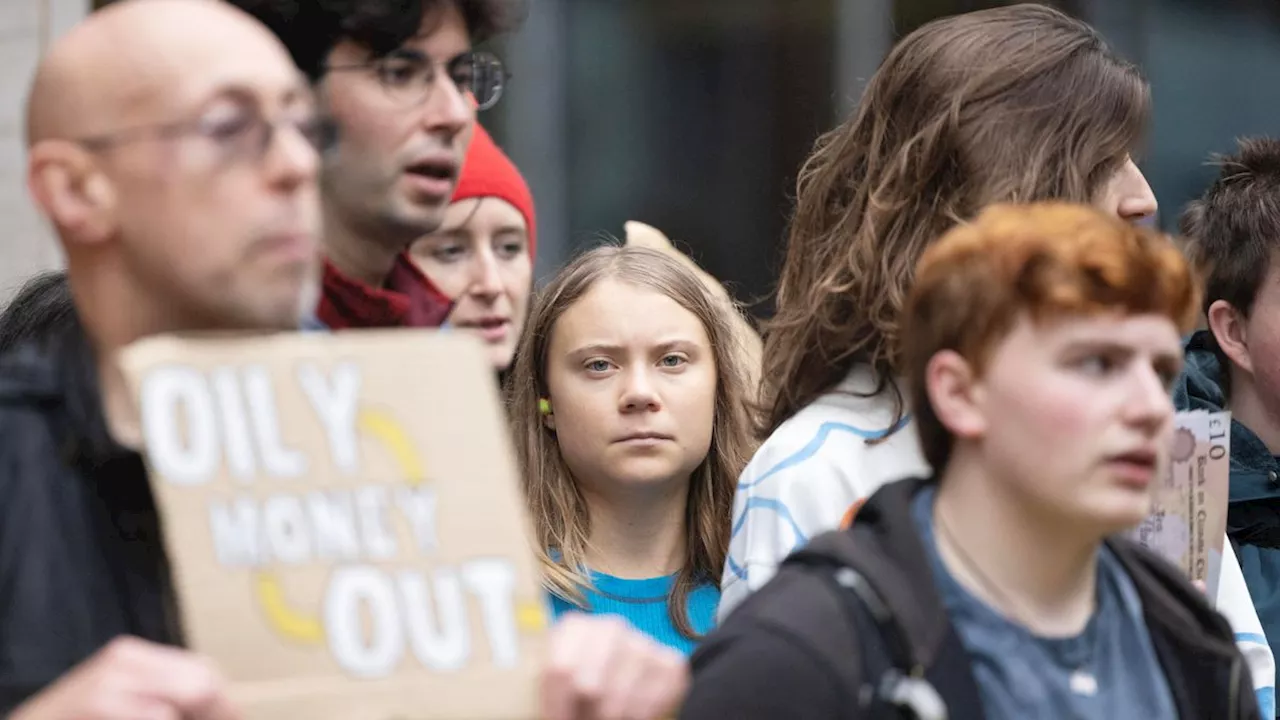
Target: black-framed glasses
x,y
408,76
243,133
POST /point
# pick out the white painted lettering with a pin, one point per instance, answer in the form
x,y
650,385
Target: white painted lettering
x,y
371,505
285,526
350,590
419,507
492,581
173,398
438,630
336,402
278,460
333,523
235,424
236,539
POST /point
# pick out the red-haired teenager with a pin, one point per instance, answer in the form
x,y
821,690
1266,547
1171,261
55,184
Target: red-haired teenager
x,y
1039,344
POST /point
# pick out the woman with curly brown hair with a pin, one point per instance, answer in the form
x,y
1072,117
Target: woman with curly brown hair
x,y
1012,104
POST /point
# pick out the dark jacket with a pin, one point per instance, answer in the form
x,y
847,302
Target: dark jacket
x,y
1253,515
81,559
790,651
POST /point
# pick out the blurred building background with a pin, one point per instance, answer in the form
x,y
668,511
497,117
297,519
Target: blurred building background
x,y
694,115
26,27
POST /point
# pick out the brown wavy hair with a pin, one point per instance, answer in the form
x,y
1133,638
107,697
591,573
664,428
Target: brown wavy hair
x,y
1043,261
1012,104
561,518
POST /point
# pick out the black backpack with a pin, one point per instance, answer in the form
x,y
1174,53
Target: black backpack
x,y
891,688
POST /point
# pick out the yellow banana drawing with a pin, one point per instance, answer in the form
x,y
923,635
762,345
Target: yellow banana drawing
x,y
282,618
531,616
385,428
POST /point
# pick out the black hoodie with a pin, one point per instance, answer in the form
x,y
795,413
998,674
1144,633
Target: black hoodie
x,y
81,560
792,650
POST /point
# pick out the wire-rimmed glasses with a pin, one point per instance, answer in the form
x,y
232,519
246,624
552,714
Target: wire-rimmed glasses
x,y
243,133
409,76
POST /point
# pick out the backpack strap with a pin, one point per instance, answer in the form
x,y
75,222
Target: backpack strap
x,y
890,688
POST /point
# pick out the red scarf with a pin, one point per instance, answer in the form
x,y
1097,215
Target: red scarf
x,y
407,299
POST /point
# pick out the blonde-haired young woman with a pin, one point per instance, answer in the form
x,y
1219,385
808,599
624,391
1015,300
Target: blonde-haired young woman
x,y
628,403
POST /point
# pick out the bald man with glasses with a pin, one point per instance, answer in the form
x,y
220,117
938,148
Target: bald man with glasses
x,y
181,181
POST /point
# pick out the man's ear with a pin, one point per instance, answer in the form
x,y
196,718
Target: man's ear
x,y
72,191
956,395
1229,328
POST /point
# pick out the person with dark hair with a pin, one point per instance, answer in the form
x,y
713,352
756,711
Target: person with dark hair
x,y
402,85
1233,238
1039,343
182,183
41,307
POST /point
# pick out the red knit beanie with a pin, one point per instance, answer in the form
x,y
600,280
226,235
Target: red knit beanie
x,y
488,172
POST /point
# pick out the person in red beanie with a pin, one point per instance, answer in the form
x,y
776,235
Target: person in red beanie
x,y
482,256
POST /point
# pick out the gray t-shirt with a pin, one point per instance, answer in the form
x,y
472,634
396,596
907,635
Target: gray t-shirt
x,y
1108,671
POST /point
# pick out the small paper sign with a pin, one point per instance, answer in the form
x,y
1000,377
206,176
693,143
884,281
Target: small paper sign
x,y
344,523
1188,522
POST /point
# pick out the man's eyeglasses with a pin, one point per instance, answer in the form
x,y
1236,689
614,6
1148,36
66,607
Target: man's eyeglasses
x,y
408,76
239,134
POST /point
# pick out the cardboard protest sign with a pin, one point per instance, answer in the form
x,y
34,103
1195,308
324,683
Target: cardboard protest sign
x,y
344,523
1188,522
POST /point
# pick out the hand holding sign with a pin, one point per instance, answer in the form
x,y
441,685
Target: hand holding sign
x,y
601,667
132,679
